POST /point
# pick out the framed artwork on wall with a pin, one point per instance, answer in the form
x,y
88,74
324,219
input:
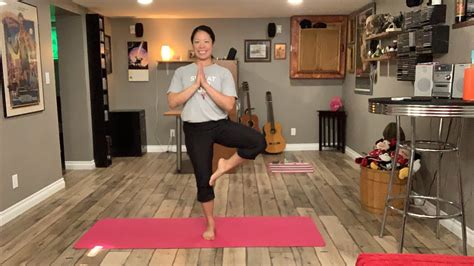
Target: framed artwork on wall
x,y
350,58
20,60
363,70
280,51
258,51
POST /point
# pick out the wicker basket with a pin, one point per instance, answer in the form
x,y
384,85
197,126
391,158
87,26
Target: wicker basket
x,y
373,189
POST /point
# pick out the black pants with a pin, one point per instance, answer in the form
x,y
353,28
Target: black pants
x,y
200,139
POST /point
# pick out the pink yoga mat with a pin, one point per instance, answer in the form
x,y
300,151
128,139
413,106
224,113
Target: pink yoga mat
x,y
186,233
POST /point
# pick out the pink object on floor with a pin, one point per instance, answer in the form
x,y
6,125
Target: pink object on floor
x,y
413,259
187,233
290,167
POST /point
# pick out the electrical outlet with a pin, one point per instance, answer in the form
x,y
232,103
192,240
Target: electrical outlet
x,y
172,133
293,131
14,181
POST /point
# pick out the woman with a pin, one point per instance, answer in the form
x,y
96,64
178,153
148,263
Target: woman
x,y
208,94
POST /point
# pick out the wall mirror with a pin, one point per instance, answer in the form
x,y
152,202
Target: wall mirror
x,y
318,47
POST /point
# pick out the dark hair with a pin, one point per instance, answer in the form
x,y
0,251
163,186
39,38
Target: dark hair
x,y
206,29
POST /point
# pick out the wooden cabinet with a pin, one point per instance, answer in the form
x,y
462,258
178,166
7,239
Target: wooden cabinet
x,y
318,45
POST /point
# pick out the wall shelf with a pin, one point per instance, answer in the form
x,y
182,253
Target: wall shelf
x,y
382,58
463,24
383,35
176,61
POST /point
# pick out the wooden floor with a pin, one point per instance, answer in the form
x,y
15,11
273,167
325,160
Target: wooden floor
x,y
148,187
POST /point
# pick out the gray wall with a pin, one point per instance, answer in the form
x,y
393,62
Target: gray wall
x,y
30,143
366,128
74,87
295,102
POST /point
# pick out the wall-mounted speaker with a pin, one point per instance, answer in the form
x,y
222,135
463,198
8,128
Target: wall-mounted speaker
x,y
458,80
271,30
424,79
139,30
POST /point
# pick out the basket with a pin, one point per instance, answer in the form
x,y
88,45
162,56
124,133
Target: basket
x,y
373,189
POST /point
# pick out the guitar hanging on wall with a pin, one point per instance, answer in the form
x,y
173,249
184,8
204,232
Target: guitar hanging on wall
x,y
272,130
248,118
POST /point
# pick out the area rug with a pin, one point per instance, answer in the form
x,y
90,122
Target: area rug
x,y
290,168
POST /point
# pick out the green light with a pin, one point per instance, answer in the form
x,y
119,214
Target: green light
x,y
54,36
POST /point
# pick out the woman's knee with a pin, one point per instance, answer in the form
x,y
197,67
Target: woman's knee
x,y
205,194
261,144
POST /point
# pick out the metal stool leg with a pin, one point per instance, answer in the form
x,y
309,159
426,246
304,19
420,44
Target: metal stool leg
x,y
390,183
461,193
438,177
409,185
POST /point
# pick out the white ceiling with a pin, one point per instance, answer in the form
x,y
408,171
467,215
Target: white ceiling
x,y
220,8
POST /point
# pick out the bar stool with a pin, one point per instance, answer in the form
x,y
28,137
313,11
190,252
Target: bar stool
x,y
438,147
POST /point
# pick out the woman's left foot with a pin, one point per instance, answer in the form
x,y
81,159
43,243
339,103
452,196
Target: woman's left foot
x,y
221,169
209,234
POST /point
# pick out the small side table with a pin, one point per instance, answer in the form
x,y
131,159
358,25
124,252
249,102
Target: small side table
x,y
332,130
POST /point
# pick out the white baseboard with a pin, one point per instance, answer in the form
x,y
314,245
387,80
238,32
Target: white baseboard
x,y
352,153
164,148
452,225
28,203
80,165
289,147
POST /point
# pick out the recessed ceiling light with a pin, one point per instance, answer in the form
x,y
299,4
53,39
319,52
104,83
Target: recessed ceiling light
x,y
2,3
295,2
144,2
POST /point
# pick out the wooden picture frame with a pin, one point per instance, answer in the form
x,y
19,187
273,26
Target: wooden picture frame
x,y
350,58
258,51
280,51
351,28
108,54
20,60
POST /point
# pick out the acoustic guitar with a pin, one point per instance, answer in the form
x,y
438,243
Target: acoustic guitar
x,y
248,118
272,130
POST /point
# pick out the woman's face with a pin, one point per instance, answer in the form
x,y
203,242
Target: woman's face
x,y
202,44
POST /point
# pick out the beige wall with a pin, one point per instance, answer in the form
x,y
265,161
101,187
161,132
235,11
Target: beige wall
x,y
364,128
295,102
30,143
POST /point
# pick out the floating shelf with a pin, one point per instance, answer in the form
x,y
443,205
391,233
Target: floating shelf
x,y
463,24
176,61
383,35
382,58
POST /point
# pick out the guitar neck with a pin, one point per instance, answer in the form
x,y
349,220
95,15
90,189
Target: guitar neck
x,y
248,104
270,115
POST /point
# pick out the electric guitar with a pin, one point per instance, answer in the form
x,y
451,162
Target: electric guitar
x,y
272,130
248,118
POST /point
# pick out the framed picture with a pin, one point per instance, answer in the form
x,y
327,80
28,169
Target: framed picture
x,y
258,51
20,60
108,54
351,30
280,51
363,70
350,58
191,54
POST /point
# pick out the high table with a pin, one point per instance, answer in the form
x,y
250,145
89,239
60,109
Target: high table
x,y
414,107
177,115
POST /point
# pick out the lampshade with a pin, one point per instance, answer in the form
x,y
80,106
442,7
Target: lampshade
x,y
166,53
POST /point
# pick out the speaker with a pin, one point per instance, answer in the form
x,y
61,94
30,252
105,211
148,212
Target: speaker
x,y
412,3
424,79
231,54
271,30
458,80
139,30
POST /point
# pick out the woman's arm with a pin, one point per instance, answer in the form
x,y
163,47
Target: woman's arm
x,y
225,102
179,98
176,99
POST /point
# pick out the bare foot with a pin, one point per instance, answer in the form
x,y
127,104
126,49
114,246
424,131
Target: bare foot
x,y
209,233
221,169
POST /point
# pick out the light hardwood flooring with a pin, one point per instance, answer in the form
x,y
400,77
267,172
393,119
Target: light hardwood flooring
x,y
148,187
